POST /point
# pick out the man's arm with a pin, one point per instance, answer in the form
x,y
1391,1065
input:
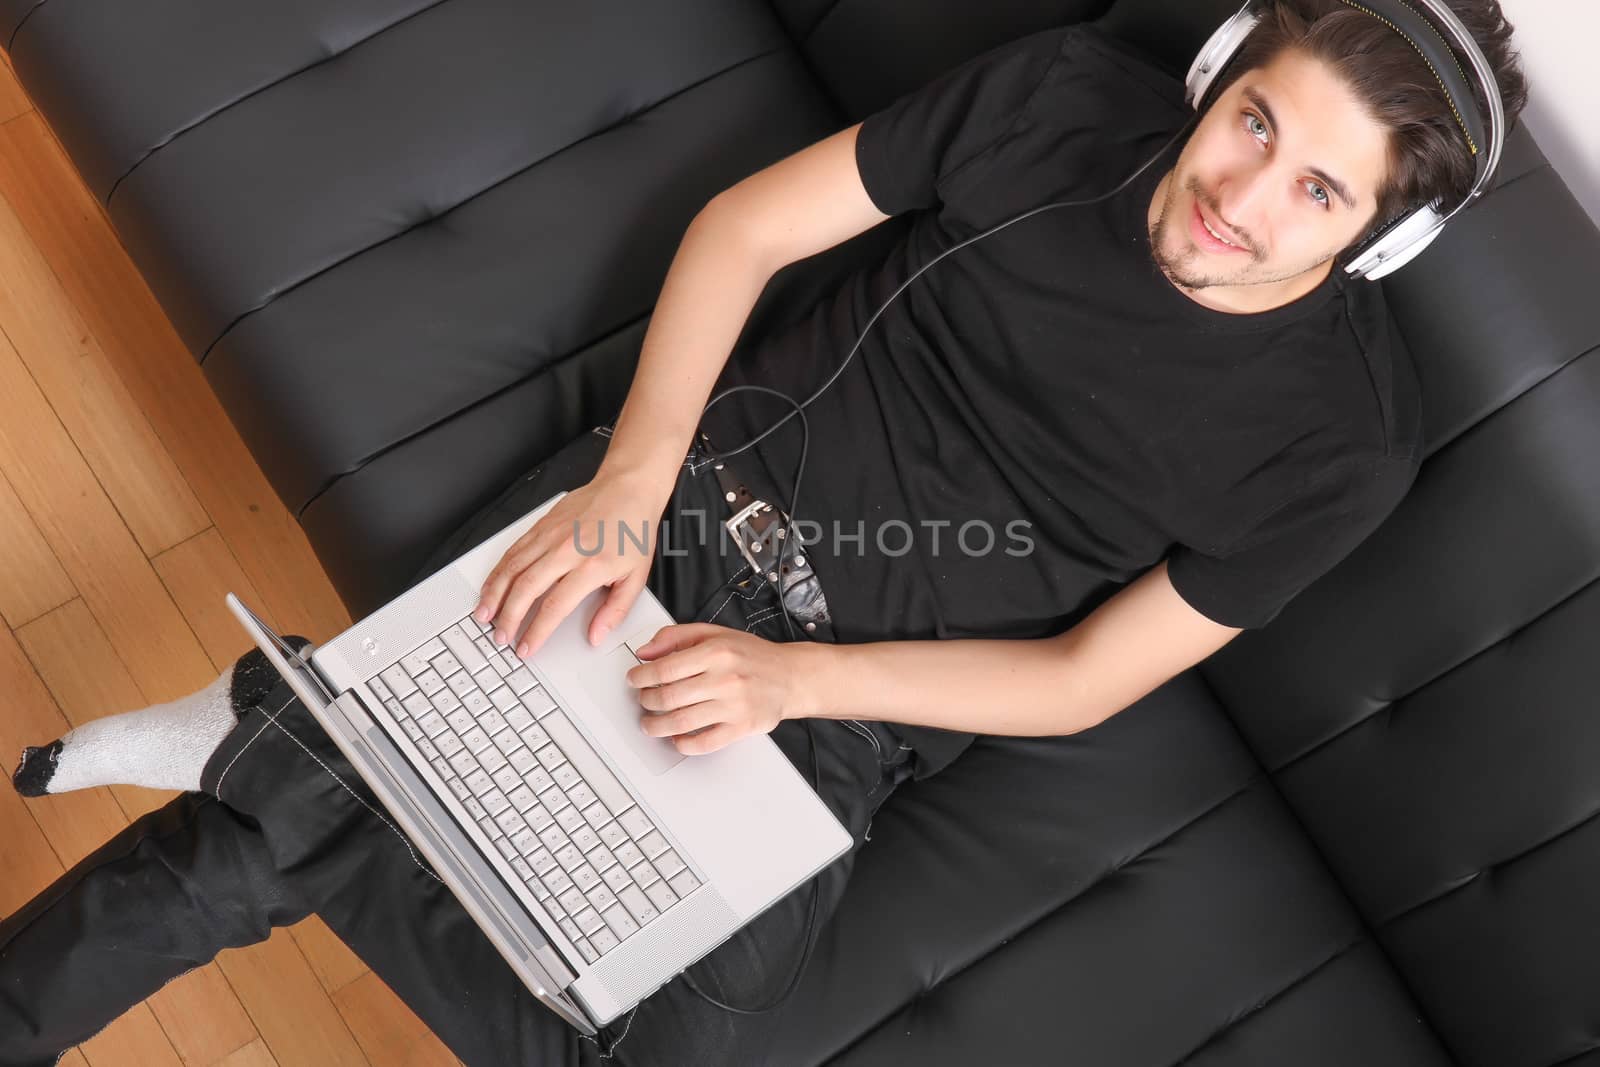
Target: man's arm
x,y
1128,646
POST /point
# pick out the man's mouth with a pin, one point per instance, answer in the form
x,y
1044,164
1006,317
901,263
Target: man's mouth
x,y
1208,238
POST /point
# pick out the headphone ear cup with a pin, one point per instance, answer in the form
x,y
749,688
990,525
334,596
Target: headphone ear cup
x,y
1395,244
1215,55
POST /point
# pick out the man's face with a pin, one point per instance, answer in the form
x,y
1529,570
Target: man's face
x,y
1286,165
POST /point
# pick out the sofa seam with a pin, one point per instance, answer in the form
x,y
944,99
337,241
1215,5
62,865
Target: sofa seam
x,y
632,116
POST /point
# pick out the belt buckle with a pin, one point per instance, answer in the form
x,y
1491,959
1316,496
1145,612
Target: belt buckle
x,y
742,521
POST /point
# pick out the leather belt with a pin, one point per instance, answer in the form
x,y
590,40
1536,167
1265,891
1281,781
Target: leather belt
x,y
758,529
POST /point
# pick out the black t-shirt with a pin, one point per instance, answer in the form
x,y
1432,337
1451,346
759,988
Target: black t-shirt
x,y
1041,416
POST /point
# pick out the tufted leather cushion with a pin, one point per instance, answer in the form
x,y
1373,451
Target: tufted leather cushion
x,y
415,243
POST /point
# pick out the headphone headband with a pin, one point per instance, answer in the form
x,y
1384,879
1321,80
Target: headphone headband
x,y
1402,240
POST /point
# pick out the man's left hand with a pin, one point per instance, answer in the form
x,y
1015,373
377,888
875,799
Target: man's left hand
x,y
725,683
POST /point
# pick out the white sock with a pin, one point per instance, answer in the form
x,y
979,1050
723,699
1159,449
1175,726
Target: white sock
x,y
163,746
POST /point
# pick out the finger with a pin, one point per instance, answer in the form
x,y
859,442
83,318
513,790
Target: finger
x,y
567,593
617,604
668,698
678,635
669,665
526,589
681,720
719,736
526,551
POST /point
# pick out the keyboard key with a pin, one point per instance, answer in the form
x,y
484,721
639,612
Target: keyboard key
x,y
601,857
527,841
597,814
507,849
479,782
446,664
573,901
522,680
538,817
411,728
661,895
566,777
523,798
652,844
485,647
418,704
553,837
430,682
522,759
538,779
621,923
476,741
616,876
589,921
642,874
490,719
638,904
585,877
504,699
628,854
538,701
520,865
668,863
586,950
532,734
475,702
544,895
487,680
553,798
683,882
600,896
494,803
489,828
569,857
569,927
463,762
417,662
635,821
461,647
491,759
448,744
380,690
396,709
458,787
570,819
506,778
460,683
432,722
398,681
584,837
510,821
541,859
590,767
613,834
518,717
506,741
604,940
445,701
581,795
556,880
460,720
425,747
444,771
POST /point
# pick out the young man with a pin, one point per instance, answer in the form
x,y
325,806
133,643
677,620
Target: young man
x,y
1083,454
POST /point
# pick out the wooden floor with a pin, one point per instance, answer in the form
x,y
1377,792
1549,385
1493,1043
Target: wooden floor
x,y
128,507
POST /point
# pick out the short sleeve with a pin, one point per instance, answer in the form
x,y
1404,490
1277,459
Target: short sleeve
x,y
906,149
1292,546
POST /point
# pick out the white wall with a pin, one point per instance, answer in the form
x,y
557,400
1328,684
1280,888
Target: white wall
x,y
1560,45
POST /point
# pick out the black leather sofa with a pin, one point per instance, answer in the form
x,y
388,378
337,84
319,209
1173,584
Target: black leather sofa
x,y
402,235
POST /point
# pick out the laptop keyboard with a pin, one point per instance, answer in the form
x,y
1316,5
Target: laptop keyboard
x,y
534,787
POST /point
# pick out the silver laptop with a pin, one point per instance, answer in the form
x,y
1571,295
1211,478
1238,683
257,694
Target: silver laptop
x,y
599,860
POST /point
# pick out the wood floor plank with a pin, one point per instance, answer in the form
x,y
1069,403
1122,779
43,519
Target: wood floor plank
x,y
69,227
73,1058
65,359
255,1054
30,862
202,1016
13,100
31,579
289,1007
93,544
388,1030
136,1038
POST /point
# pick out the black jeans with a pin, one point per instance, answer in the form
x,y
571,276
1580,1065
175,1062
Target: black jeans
x,y
283,827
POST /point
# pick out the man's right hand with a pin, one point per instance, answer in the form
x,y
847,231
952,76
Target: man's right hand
x,y
545,561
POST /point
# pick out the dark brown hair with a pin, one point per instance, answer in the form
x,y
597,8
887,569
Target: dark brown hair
x,y
1428,155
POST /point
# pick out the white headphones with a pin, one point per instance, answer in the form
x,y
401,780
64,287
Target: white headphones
x,y
1400,241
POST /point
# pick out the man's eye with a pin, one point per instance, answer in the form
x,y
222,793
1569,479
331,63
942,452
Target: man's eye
x,y
1326,199
1249,118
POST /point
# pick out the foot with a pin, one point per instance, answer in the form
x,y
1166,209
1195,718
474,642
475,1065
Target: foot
x,y
164,746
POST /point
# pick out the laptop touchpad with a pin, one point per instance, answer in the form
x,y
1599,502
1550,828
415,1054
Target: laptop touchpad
x,y
619,703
